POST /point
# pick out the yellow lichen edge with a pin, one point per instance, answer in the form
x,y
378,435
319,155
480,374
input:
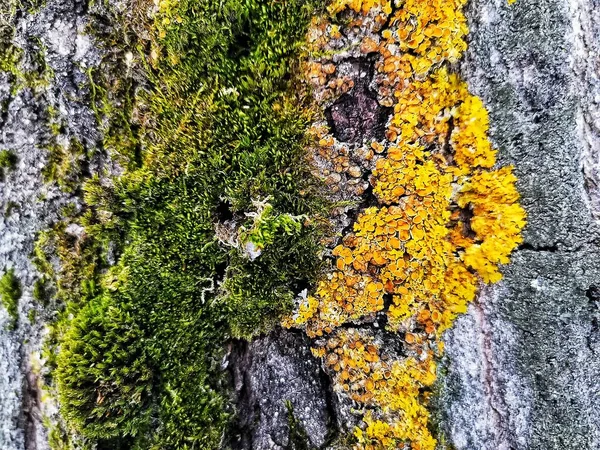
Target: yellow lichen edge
x,y
445,220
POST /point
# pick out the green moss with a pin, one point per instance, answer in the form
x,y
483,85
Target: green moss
x,y
297,437
10,207
37,78
80,268
9,59
60,439
104,350
40,293
66,164
54,122
32,6
41,74
8,160
220,128
10,293
9,54
12,55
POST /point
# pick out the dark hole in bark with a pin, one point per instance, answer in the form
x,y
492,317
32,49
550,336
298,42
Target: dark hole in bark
x,y
391,344
223,211
357,115
387,301
466,215
447,149
593,295
541,248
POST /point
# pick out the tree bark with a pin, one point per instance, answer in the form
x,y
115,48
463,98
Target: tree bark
x,y
521,366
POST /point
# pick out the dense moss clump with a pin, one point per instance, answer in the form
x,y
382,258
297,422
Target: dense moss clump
x,y
211,225
10,293
8,161
104,377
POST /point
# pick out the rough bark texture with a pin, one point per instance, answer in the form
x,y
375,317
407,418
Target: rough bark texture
x,y
34,205
522,365
270,372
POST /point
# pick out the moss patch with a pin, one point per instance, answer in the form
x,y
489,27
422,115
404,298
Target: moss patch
x,y
211,224
67,163
8,161
10,293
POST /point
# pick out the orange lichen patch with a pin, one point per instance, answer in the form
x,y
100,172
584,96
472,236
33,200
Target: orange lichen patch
x,y
388,389
410,171
423,107
360,6
469,137
422,35
443,223
344,296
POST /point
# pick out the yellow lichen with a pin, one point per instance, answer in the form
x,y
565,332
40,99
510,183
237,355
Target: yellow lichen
x,y
388,388
445,219
359,6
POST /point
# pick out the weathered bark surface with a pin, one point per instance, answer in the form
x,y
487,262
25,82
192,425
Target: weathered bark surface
x,y
267,374
522,365
34,205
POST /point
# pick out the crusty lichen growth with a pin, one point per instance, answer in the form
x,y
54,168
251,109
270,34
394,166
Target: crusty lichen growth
x,y
444,222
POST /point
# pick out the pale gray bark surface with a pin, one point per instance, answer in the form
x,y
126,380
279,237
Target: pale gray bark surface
x,y
55,33
523,363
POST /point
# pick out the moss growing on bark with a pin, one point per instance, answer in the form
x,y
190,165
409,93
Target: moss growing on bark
x,y
67,164
8,161
220,127
10,293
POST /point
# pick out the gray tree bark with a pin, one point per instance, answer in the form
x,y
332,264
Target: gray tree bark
x,y
523,363
54,33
